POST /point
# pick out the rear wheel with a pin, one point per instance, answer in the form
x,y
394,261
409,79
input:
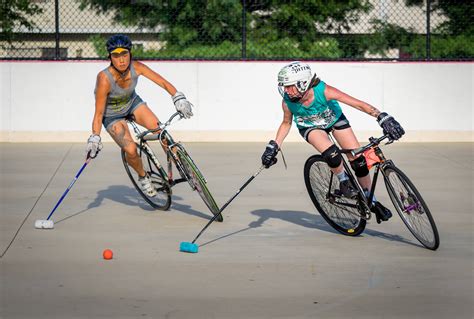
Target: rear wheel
x,y
341,213
162,200
411,207
197,182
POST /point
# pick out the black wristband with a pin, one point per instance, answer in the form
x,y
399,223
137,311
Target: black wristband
x,y
383,117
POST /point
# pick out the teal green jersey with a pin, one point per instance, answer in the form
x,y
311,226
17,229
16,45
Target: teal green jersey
x,y
321,113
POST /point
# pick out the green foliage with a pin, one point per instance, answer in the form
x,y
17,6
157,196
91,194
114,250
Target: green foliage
x,y
16,14
289,48
388,36
283,29
224,50
442,47
213,29
458,12
284,48
99,45
298,19
185,22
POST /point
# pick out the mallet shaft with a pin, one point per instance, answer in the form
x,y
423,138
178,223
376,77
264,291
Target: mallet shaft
x,y
228,202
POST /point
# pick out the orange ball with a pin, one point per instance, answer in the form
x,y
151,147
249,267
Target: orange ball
x,y
108,254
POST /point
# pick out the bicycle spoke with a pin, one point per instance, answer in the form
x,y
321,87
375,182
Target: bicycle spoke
x,y
344,216
415,220
162,199
411,208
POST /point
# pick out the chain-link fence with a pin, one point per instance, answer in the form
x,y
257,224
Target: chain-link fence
x,y
240,30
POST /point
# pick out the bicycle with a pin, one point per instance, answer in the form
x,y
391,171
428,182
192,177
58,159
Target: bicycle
x,y
349,216
163,181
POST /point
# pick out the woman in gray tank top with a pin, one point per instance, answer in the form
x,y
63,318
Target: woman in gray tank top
x,y
116,100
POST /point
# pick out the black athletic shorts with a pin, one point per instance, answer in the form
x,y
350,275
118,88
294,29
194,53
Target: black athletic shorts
x,y
341,123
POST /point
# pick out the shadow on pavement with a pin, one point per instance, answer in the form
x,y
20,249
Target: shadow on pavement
x,y
307,220
117,193
188,209
296,217
129,196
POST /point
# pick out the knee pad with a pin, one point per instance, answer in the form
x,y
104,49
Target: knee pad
x,y
332,156
359,165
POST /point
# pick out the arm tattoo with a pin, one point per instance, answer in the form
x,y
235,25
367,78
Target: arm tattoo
x,y
373,111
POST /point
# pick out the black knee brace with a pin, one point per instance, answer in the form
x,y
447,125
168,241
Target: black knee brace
x,y
359,165
332,156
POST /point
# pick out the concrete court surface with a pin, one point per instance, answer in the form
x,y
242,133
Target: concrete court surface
x,y
273,257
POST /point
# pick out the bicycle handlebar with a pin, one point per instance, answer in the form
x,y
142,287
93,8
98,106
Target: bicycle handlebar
x,y
161,127
373,141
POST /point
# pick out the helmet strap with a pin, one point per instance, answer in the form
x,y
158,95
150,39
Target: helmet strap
x,y
314,81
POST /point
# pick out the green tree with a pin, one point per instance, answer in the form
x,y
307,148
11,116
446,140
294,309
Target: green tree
x,y
454,38
306,24
14,15
459,13
191,26
183,22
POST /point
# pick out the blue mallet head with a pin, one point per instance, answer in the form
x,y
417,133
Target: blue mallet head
x,y
188,247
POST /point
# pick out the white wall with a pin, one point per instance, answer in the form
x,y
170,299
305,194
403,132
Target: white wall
x,y
238,101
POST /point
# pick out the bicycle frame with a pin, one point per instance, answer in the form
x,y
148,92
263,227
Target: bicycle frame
x,y
168,145
368,200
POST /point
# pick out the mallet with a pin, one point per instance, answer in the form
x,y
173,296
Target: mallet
x,y
192,247
48,223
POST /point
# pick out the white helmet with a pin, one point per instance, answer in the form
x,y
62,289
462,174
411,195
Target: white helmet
x,y
296,73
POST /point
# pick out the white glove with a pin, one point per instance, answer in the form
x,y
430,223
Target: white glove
x,y
182,105
93,146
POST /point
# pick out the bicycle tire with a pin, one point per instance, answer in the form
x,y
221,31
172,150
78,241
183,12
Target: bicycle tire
x,y
411,206
346,220
162,200
197,182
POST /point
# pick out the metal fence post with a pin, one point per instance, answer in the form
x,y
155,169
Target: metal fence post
x,y
428,31
244,32
57,54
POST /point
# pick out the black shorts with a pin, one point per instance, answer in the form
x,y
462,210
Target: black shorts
x,y
341,123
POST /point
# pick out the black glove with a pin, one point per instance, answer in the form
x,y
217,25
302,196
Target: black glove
x,y
390,126
269,156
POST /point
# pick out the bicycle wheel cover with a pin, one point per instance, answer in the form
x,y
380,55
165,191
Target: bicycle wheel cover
x,y
345,220
162,200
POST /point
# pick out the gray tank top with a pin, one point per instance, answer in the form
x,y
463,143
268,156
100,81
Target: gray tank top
x,y
120,100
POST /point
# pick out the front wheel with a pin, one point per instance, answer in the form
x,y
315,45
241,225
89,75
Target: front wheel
x,y
162,200
197,182
411,207
341,213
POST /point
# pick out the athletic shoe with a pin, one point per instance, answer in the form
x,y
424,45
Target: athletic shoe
x,y
381,212
147,186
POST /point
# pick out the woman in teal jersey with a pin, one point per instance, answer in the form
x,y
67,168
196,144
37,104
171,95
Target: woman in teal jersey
x,y
313,106
116,101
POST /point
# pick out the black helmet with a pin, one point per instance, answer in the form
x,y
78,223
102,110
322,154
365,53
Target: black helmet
x,y
118,41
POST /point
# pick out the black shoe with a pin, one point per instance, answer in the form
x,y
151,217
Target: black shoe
x,y
347,189
381,212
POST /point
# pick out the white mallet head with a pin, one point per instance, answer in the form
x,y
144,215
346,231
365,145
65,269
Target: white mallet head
x,y
44,224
